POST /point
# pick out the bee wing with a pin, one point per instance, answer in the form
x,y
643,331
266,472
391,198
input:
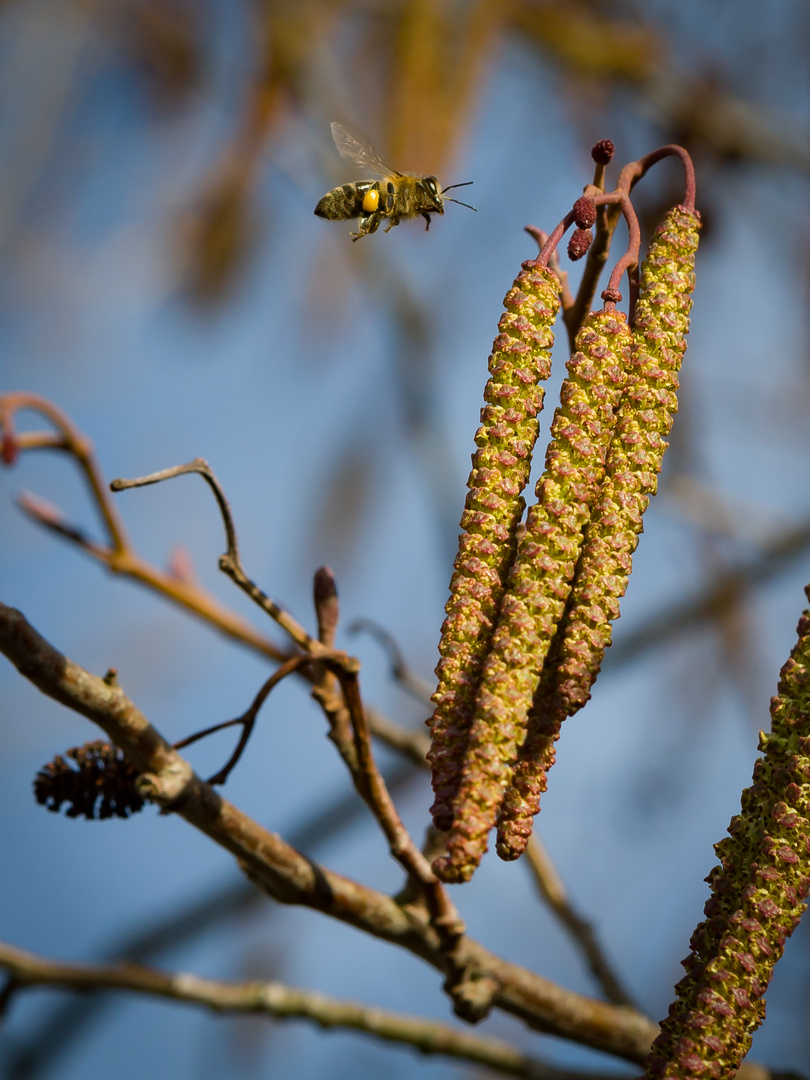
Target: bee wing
x,y
353,146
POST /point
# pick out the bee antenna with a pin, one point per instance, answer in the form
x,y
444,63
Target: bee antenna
x,y
465,184
458,202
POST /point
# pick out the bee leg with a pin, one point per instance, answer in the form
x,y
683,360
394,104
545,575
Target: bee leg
x,y
394,221
426,216
369,223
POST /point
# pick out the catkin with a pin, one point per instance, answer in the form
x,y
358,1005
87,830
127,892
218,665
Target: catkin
x,y
520,359
757,897
634,459
539,583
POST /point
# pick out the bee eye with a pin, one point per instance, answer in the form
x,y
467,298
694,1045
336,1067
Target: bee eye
x,y
371,200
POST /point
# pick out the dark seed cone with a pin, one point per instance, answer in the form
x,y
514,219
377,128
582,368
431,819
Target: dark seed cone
x,y
521,357
633,463
539,583
756,902
102,786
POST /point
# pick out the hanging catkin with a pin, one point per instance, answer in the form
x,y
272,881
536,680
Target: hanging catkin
x,y
521,358
634,459
539,583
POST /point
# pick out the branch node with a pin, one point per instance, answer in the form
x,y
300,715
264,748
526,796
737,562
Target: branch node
x,y
473,994
167,788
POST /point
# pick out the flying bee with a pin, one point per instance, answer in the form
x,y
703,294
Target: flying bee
x,y
394,197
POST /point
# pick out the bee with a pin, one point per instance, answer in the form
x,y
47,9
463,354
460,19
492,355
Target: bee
x,y
394,197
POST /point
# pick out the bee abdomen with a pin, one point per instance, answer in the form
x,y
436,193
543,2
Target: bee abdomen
x,y
341,203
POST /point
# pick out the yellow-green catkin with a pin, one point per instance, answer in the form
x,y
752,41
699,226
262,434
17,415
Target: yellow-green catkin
x,y
539,583
521,358
633,463
756,901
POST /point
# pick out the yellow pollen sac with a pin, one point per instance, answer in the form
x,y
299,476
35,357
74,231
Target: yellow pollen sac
x,y
371,201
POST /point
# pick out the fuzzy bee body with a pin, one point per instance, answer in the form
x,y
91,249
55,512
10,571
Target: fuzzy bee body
x,y
344,202
395,197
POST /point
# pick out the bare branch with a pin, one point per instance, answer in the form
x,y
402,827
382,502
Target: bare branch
x,y
277,1000
291,878
553,892
370,784
70,440
230,562
43,1044
400,671
120,557
413,744
247,719
117,553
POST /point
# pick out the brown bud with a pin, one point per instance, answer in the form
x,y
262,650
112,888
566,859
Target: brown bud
x,y
9,449
603,151
584,212
581,240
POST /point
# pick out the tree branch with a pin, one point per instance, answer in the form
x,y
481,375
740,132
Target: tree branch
x,y
551,888
290,877
43,1044
120,557
280,1001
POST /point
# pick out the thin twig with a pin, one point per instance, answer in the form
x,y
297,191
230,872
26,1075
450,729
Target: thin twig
x,y
117,553
229,563
444,917
554,237
541,239
168,780
418,688
124,560
629,261
367,776
636,170
247,719
73,442
37,1052
607,218
553,892
274,999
